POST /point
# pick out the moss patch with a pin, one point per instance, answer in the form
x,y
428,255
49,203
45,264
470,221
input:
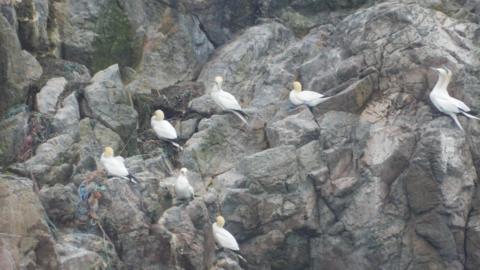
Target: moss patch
x,y
115,38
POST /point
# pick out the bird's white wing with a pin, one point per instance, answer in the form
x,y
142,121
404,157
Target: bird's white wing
x,y
460,104
120,159
164,129
309,95
114,166
183,189
447,104
224,238
226,100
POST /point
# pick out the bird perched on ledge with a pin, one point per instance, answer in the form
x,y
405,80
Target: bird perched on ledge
x,y
444,102
223,237
226,100
115,166
298,97
183,189
164,130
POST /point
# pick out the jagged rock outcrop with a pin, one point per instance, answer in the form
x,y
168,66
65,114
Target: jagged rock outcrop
x,y
373,178
18,68
26,240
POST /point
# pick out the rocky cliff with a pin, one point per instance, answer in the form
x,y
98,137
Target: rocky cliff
x,y
373,178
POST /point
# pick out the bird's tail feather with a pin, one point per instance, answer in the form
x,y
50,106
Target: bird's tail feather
x,y
470,116
455,118
242,112
240,116
320,100
133,179
241,257
176,145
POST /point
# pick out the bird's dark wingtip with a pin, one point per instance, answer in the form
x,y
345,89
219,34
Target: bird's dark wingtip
x,y
242,112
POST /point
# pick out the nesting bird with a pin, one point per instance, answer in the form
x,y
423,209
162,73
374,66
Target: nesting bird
x,y
183,189
164,130
223,237
309,98
115,166
226,100
444,102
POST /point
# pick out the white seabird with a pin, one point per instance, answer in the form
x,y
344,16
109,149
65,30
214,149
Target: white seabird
x,y
226,100
164,130
115,166
183,189
309,98
444,102
223,237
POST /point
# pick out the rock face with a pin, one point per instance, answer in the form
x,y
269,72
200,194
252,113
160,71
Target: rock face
x,y
18,68
373,178
26,238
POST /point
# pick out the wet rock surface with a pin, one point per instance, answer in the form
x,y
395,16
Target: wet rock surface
x,y
373,178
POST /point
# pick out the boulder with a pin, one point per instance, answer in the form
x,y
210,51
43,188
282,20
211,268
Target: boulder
x,y
28,242
51,162
47,98
297,129
110,104
82,250
18,68
12,132
216,147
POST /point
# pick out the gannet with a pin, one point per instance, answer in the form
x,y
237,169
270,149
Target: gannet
x,y
444,102
183,189
222,236
309,98
164,130
226,100
115,166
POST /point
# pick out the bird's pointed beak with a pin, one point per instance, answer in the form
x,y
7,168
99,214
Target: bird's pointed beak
x,y
432,68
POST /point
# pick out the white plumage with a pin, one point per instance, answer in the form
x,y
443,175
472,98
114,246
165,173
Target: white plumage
x,y
309,98
183,189
444,102
115,166
163,129
225,100
223,237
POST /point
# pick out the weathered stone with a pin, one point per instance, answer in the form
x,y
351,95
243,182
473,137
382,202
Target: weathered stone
x,y
12,132
187,128
240,61
28,240
111,105
71,71
190,234
18,69
212,150
60,202
82,251
68,115
352,99
174,50
47,98
296,129
51,162
98,35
